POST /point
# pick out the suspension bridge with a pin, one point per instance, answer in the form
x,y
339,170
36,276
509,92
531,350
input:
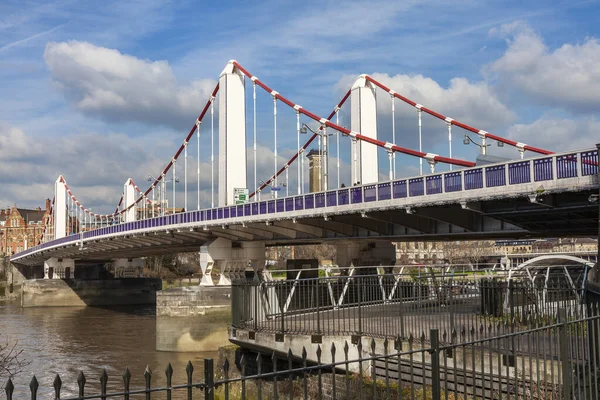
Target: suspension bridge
x,y
538,193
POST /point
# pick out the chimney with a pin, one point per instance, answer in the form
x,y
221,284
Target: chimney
x,y
47,204
315,180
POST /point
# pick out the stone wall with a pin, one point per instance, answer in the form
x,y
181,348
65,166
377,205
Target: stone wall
x,y
191,300
72,292
193,318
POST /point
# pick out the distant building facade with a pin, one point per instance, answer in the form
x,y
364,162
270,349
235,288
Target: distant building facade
x,y
21,228
452,252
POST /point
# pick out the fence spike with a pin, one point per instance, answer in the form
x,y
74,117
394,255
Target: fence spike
x,y
189,370
243,364
126,381
346,348
81,383
398,343
332,349
304,353
259,363
103,381
444,335
57,384
9,388
373,345
169,374
385,343
319,354
290,358
34,385
225,366
359,347
148,376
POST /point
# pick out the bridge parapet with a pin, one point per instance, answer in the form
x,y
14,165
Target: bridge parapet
x,y
535,179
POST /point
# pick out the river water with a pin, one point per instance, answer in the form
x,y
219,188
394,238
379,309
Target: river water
x,y
66,340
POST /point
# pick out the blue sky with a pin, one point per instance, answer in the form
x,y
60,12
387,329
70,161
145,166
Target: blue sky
x,y
104,91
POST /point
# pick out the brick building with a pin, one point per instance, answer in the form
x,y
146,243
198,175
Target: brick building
x,y
21,228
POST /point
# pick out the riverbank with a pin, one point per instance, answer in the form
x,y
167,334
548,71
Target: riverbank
x,y
7,295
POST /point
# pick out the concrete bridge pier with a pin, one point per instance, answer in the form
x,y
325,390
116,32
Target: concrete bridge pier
x,y
231,258
63,282
197,318
59,268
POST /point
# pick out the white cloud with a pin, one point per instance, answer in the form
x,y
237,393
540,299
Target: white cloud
x,y
106,83
16,146
95,166
567,77
560,134
475,104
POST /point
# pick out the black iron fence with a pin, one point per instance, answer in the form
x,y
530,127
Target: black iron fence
x,y
555,361
388,305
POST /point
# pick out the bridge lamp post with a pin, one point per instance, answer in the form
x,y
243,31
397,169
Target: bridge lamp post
x,y
323,151
467,140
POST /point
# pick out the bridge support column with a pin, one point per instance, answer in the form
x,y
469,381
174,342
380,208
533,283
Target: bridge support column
x,y
129,200
364,121
59,268
232,133
60,208
128,267
232,260
361,254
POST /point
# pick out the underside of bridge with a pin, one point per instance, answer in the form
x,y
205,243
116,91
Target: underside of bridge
x,y
552,215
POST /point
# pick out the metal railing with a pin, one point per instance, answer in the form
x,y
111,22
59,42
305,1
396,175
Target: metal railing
x,y
388,305
556,361
538,170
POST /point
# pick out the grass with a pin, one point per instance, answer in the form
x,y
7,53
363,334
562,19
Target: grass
x,y
174,283
359,388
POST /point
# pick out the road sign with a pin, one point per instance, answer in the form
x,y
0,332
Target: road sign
x,y
240,195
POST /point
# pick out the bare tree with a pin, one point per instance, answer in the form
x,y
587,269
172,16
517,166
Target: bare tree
x,y
187,264
160,266
477,250
11,362
466,252
454,252
319,251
